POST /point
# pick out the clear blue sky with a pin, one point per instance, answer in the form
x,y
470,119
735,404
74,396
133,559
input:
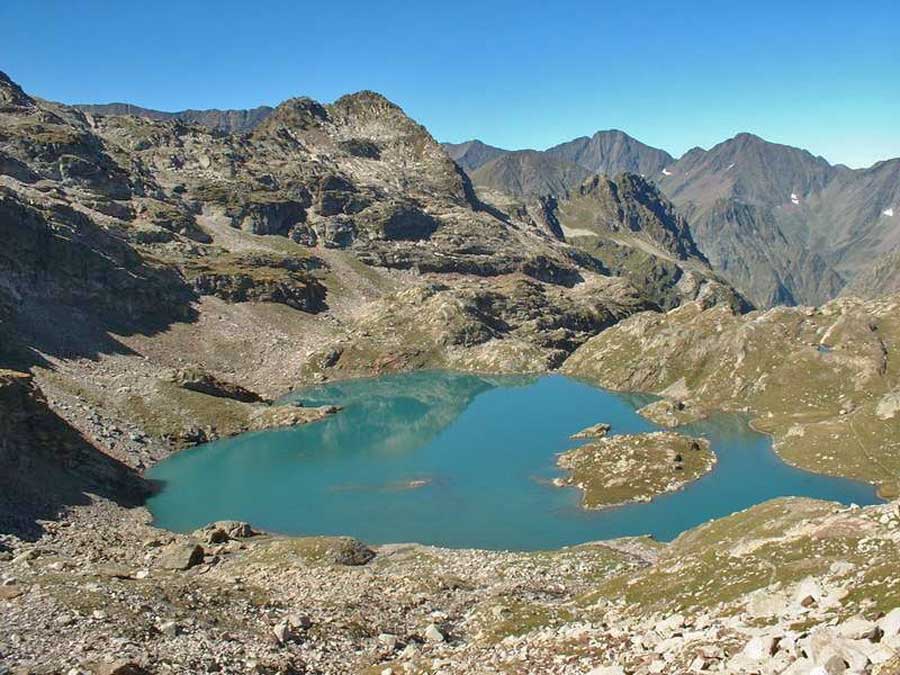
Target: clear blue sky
x,y
675,74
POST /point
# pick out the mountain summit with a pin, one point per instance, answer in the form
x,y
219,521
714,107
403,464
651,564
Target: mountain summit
x,y
611,152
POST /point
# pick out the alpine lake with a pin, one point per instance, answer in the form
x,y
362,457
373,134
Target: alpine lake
x,y
462,461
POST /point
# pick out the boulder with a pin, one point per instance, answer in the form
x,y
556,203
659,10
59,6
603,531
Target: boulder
x,y
350,552
433,634
283,632
221,531
760,647
890,623
595,431
859,628
299,621
168,628
180,556
827,649
808,592
764,604
236,529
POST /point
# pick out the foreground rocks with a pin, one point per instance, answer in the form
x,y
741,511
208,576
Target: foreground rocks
x,y
634,468
103,590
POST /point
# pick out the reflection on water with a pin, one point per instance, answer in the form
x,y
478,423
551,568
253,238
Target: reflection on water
x,y
460,460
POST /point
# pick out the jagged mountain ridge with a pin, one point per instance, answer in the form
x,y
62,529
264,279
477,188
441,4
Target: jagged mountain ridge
x,y
785,226
238,121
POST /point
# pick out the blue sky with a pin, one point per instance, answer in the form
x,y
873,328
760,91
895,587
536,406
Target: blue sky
x,y
821,75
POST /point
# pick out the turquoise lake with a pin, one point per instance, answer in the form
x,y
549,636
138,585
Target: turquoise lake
x,y
463,461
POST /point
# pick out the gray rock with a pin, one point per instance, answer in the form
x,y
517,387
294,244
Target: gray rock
x,y
351,552
121,667
236,529
859,628
433,634
168,628
595,431
299,621
180,556
890,623
283,633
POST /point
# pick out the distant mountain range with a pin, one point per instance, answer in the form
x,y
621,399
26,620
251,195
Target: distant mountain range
x,y
784,226
230,121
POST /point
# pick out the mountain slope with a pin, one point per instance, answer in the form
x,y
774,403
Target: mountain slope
x,y
749,169
880,277
230,121
611,152
472,154
746,201
783,225
856,218
635,231
528,173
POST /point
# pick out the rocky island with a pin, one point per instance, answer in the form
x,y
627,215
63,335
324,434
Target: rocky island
x,y
634,468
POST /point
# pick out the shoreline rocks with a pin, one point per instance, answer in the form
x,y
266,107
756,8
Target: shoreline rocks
x,y
598,430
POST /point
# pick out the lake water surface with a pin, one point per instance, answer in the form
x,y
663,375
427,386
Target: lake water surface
x,y
463,461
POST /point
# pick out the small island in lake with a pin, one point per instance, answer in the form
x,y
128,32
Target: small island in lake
x,y
628,468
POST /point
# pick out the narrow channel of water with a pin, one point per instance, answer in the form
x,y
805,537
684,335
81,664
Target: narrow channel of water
x,y
463,461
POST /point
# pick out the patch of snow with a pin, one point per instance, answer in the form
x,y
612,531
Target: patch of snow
x,y
795,200
666,172
889,212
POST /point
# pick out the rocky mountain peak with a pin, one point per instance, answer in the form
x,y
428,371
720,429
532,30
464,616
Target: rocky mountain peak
x,y
612,151
366,102
11,94
629,202
472,154
296,113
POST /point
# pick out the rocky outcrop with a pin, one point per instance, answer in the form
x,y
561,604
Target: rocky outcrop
x,y
260,278
598,430
196,379
628,205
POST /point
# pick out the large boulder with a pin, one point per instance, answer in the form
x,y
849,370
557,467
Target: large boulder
x,y
350,552
180,556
